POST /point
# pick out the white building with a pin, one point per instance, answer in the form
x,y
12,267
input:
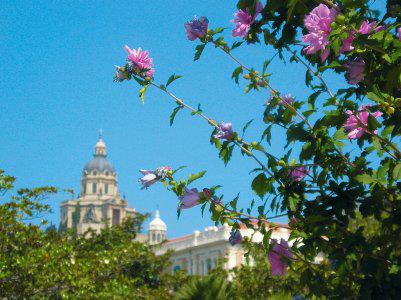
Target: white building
x,y
99,201
199,252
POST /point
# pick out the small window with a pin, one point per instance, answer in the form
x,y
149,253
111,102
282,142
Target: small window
x,y
159,237
107,173
94,188
106,188
84,187
209,265
94,173
177,268
153,237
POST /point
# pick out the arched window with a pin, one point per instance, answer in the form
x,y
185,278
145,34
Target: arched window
x,y
106,188
159,237
209,265
84,187
94,188
107,173
94,173
153,237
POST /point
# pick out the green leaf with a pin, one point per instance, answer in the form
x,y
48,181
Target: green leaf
x,y
333,65
194,177
364,178
199,50
260,185
246,127
173,114
172,78
293,201
308,78
236,45
397,172
142,93
236,73
340,134
226,152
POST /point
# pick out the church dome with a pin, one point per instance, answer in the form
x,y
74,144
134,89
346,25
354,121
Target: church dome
x,y
99,162
157,223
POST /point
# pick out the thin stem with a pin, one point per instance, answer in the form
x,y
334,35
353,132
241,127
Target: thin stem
x,y
314,72
212,123
247,215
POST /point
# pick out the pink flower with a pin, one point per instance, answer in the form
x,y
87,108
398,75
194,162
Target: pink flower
x,y
141,60
347,43
243,20
399,33
355,70
357,122
318,24
367,27
278,257
299,173
196,28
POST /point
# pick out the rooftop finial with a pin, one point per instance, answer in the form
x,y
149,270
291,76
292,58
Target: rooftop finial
x,y
157,215
100,134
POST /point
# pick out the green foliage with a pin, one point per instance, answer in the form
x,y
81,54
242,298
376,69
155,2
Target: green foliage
x,y
206,288
37,263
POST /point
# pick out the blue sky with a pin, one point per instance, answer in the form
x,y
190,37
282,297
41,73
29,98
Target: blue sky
x,y
57,91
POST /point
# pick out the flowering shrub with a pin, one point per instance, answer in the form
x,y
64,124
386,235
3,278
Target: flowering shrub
x,y
346,167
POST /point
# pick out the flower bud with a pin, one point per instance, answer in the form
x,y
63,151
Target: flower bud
x,y
182,182
282,163
340,19
247,76
390,110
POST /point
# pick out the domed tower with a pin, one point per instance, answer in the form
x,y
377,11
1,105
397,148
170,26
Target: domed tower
x,y
99,176
157,230
99,203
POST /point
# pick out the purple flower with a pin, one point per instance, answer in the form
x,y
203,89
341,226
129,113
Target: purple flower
x,y
399,33
299,173
119,75
196,28
287,99
243,20
357,122
318,24
367,27
235,237
150,177
224,131
347,43
190,198
141,60
355,70
278,257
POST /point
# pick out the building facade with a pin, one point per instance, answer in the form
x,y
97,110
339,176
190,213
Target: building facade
x,y
199,252
99,203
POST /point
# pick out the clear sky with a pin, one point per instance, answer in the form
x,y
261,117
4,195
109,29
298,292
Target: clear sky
x,y
57,90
